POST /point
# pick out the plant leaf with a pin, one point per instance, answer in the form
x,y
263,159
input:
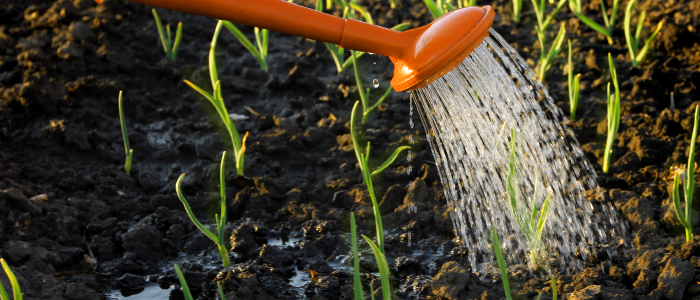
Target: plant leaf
x,y
183,284
389,160
196,222
383,267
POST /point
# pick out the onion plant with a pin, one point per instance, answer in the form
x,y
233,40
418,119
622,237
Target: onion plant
x,y
636,54
219,238
501,263
607,30
542,21
16,291
530,225
688,174
337,52
367,174
573,86
546,60
364,93
217,100
259,51
613,115
440,7
183,283
357,284
125,136
166,37
383,267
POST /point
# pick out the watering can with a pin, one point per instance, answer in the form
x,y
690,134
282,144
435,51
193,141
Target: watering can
x,y
420,55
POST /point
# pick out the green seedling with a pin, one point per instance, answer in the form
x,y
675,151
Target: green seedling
x,y
530,225
607,30
217,100
554,290
219,238
337,52
688,185
222,296
438,8
364,94
356,283
517,8
367,174
613,115
16,291
573,86
501,263
633,41
125,136
383,268
542,21
546,60
261,39
183,283
166,37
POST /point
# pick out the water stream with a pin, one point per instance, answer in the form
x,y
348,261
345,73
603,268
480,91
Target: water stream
x,y
468,114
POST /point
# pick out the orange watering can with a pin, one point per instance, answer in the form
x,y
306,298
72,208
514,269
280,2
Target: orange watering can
x,y
420,55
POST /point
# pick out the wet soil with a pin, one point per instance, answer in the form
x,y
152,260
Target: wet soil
x,y
73,225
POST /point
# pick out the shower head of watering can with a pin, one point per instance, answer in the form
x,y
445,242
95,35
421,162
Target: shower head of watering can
x,y
420,55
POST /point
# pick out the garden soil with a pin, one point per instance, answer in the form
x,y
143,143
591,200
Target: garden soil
x,y
74,225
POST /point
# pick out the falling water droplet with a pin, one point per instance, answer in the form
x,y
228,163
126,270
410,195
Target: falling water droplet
x,y
409,156
410,140
410,122
374,63
375,83
410,169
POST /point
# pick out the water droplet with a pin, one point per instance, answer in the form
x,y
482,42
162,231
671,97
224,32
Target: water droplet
x,y
408,157
410,139
410,122
374,63
370,53
375,83
410,169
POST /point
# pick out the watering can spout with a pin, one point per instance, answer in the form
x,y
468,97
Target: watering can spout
x,y
420,55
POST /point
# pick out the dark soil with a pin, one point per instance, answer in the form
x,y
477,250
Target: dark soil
x,y
75,226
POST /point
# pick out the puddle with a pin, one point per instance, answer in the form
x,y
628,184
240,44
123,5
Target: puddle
x,y
149,292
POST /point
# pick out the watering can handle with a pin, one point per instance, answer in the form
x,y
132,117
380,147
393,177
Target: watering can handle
x,y
292,19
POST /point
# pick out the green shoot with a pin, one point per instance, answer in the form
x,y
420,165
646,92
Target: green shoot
x,y
222,296
219,238
633,41
688,185
613,115
338,53
364,93
554,288
573,86
438,8
517,8
357,284
261,39
217,100
16,292
183,283
542,22
383,267
607,30
501,263
367,174
166,37
127,146
531,227
546,60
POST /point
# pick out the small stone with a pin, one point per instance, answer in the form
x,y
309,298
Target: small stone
x,y
450,281
69,50
675,277
592,292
